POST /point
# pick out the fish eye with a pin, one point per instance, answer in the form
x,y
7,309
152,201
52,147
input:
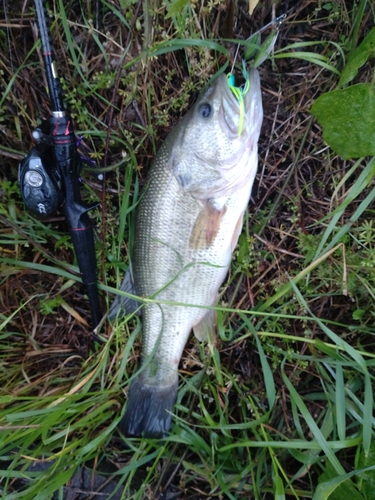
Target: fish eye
x,y
205,110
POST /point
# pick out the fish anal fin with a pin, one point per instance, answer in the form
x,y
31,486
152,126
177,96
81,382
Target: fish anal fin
x,y
124,305
236,232
206,328
206,226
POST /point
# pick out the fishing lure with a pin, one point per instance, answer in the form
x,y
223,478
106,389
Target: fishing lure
x,y
261,53
239,93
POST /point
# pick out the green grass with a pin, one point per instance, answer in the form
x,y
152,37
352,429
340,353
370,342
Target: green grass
x,y
280,405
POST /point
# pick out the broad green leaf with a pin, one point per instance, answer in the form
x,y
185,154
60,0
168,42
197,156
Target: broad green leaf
x,y
348,120
358,57
176,7
366,480
279,488
335,487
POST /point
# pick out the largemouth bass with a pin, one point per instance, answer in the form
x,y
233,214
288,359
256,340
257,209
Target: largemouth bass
x,y
188,223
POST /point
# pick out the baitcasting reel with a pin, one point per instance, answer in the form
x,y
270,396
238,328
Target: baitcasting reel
x,y
39,178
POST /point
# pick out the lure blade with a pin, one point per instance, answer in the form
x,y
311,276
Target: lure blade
x,y
265,49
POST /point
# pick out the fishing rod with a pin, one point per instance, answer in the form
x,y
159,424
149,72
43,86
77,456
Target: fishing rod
x,y
49,175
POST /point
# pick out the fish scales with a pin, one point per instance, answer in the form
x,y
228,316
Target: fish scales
x,y
188,223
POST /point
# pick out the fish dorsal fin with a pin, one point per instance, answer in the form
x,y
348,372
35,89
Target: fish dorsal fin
x,y
206,328
206,226
124,305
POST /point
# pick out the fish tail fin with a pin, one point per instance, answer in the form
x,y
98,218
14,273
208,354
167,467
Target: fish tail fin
x,y
148,410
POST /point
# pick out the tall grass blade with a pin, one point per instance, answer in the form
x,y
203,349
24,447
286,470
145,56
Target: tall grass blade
x,y
340,403
267,372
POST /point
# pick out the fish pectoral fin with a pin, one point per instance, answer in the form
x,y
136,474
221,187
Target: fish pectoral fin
x,y
196,181
206,226
124,305
206,328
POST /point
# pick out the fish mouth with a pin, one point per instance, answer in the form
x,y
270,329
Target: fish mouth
x,y
231,106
